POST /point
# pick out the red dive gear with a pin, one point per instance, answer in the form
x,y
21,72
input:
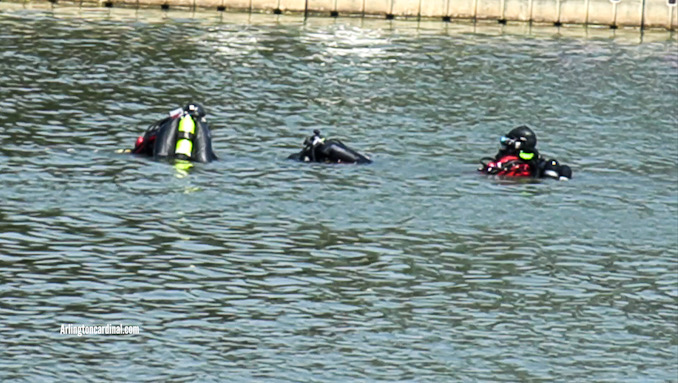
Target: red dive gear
x,y
508,166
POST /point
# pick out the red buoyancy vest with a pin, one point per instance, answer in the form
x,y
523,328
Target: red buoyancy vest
x,y
509,166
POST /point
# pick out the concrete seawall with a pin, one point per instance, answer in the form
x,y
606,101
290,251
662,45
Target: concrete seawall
x,y
612,13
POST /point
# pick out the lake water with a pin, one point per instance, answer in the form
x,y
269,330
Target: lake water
x,y
412,269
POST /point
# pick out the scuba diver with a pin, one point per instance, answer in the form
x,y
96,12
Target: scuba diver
x,y
518,157
319,149
184,135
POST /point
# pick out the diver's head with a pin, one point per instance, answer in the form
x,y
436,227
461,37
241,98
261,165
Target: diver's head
x,y
521,138
195,110
315,139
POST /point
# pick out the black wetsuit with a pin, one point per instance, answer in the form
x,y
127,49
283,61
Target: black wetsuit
x,y
318,149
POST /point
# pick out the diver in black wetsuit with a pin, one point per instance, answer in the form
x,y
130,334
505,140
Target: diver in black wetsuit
x,y
519,157
184,135
319,149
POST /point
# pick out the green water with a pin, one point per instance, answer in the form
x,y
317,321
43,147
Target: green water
x,y
412,269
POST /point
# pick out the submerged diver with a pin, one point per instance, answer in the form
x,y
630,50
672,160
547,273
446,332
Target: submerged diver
x,y
518,157
184,135
319,149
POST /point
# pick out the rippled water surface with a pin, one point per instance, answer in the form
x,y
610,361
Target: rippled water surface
x,y
412,269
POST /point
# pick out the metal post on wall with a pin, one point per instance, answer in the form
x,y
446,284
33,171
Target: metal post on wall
x,y
560,6
614,13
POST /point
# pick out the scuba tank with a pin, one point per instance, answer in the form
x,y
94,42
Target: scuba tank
x,y
183,150
184,135
336,151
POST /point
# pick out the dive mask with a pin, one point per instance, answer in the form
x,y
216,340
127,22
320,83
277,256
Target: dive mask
x,y
506,141
513,143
